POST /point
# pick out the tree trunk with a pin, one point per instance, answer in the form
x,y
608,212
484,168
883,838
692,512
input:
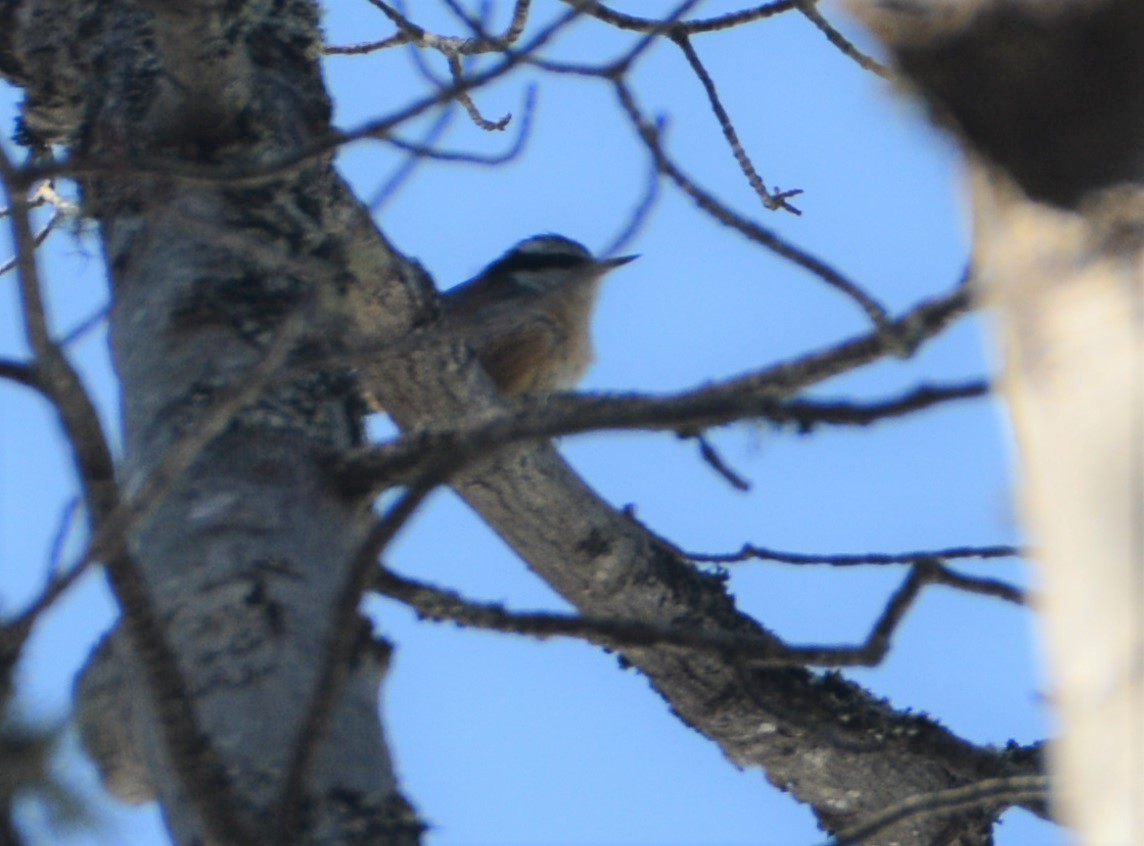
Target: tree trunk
x,y
246,554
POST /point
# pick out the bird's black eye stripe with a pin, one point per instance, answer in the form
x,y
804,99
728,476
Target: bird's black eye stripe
x,y
515,262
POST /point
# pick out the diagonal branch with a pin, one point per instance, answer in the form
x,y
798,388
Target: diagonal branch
x,y
606,565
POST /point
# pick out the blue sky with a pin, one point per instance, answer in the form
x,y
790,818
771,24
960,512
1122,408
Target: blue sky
x,y
501,740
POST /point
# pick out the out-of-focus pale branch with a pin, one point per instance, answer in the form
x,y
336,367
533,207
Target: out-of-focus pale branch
x,y
1046,97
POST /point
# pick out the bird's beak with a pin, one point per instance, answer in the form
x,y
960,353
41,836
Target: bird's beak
x,y
612,263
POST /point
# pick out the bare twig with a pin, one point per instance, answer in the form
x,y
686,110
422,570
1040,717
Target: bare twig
x,y
477,25
715,462
441,605
750,551
20,373
44,194
63,530
55,376
937,574
457,71
426,150
637,218
809,9
37,240
770,201
416,157
616,68
467,103
979,585
638,24
758,648
86,325
364,47
452,46
292,162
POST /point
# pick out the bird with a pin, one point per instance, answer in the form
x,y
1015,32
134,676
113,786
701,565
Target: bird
x,y
527,315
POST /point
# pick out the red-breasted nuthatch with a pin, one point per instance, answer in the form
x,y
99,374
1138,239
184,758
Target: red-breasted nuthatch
x,y
527,314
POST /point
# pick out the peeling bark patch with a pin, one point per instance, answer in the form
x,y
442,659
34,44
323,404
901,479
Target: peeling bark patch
x,y
241,302
258,597
596,545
